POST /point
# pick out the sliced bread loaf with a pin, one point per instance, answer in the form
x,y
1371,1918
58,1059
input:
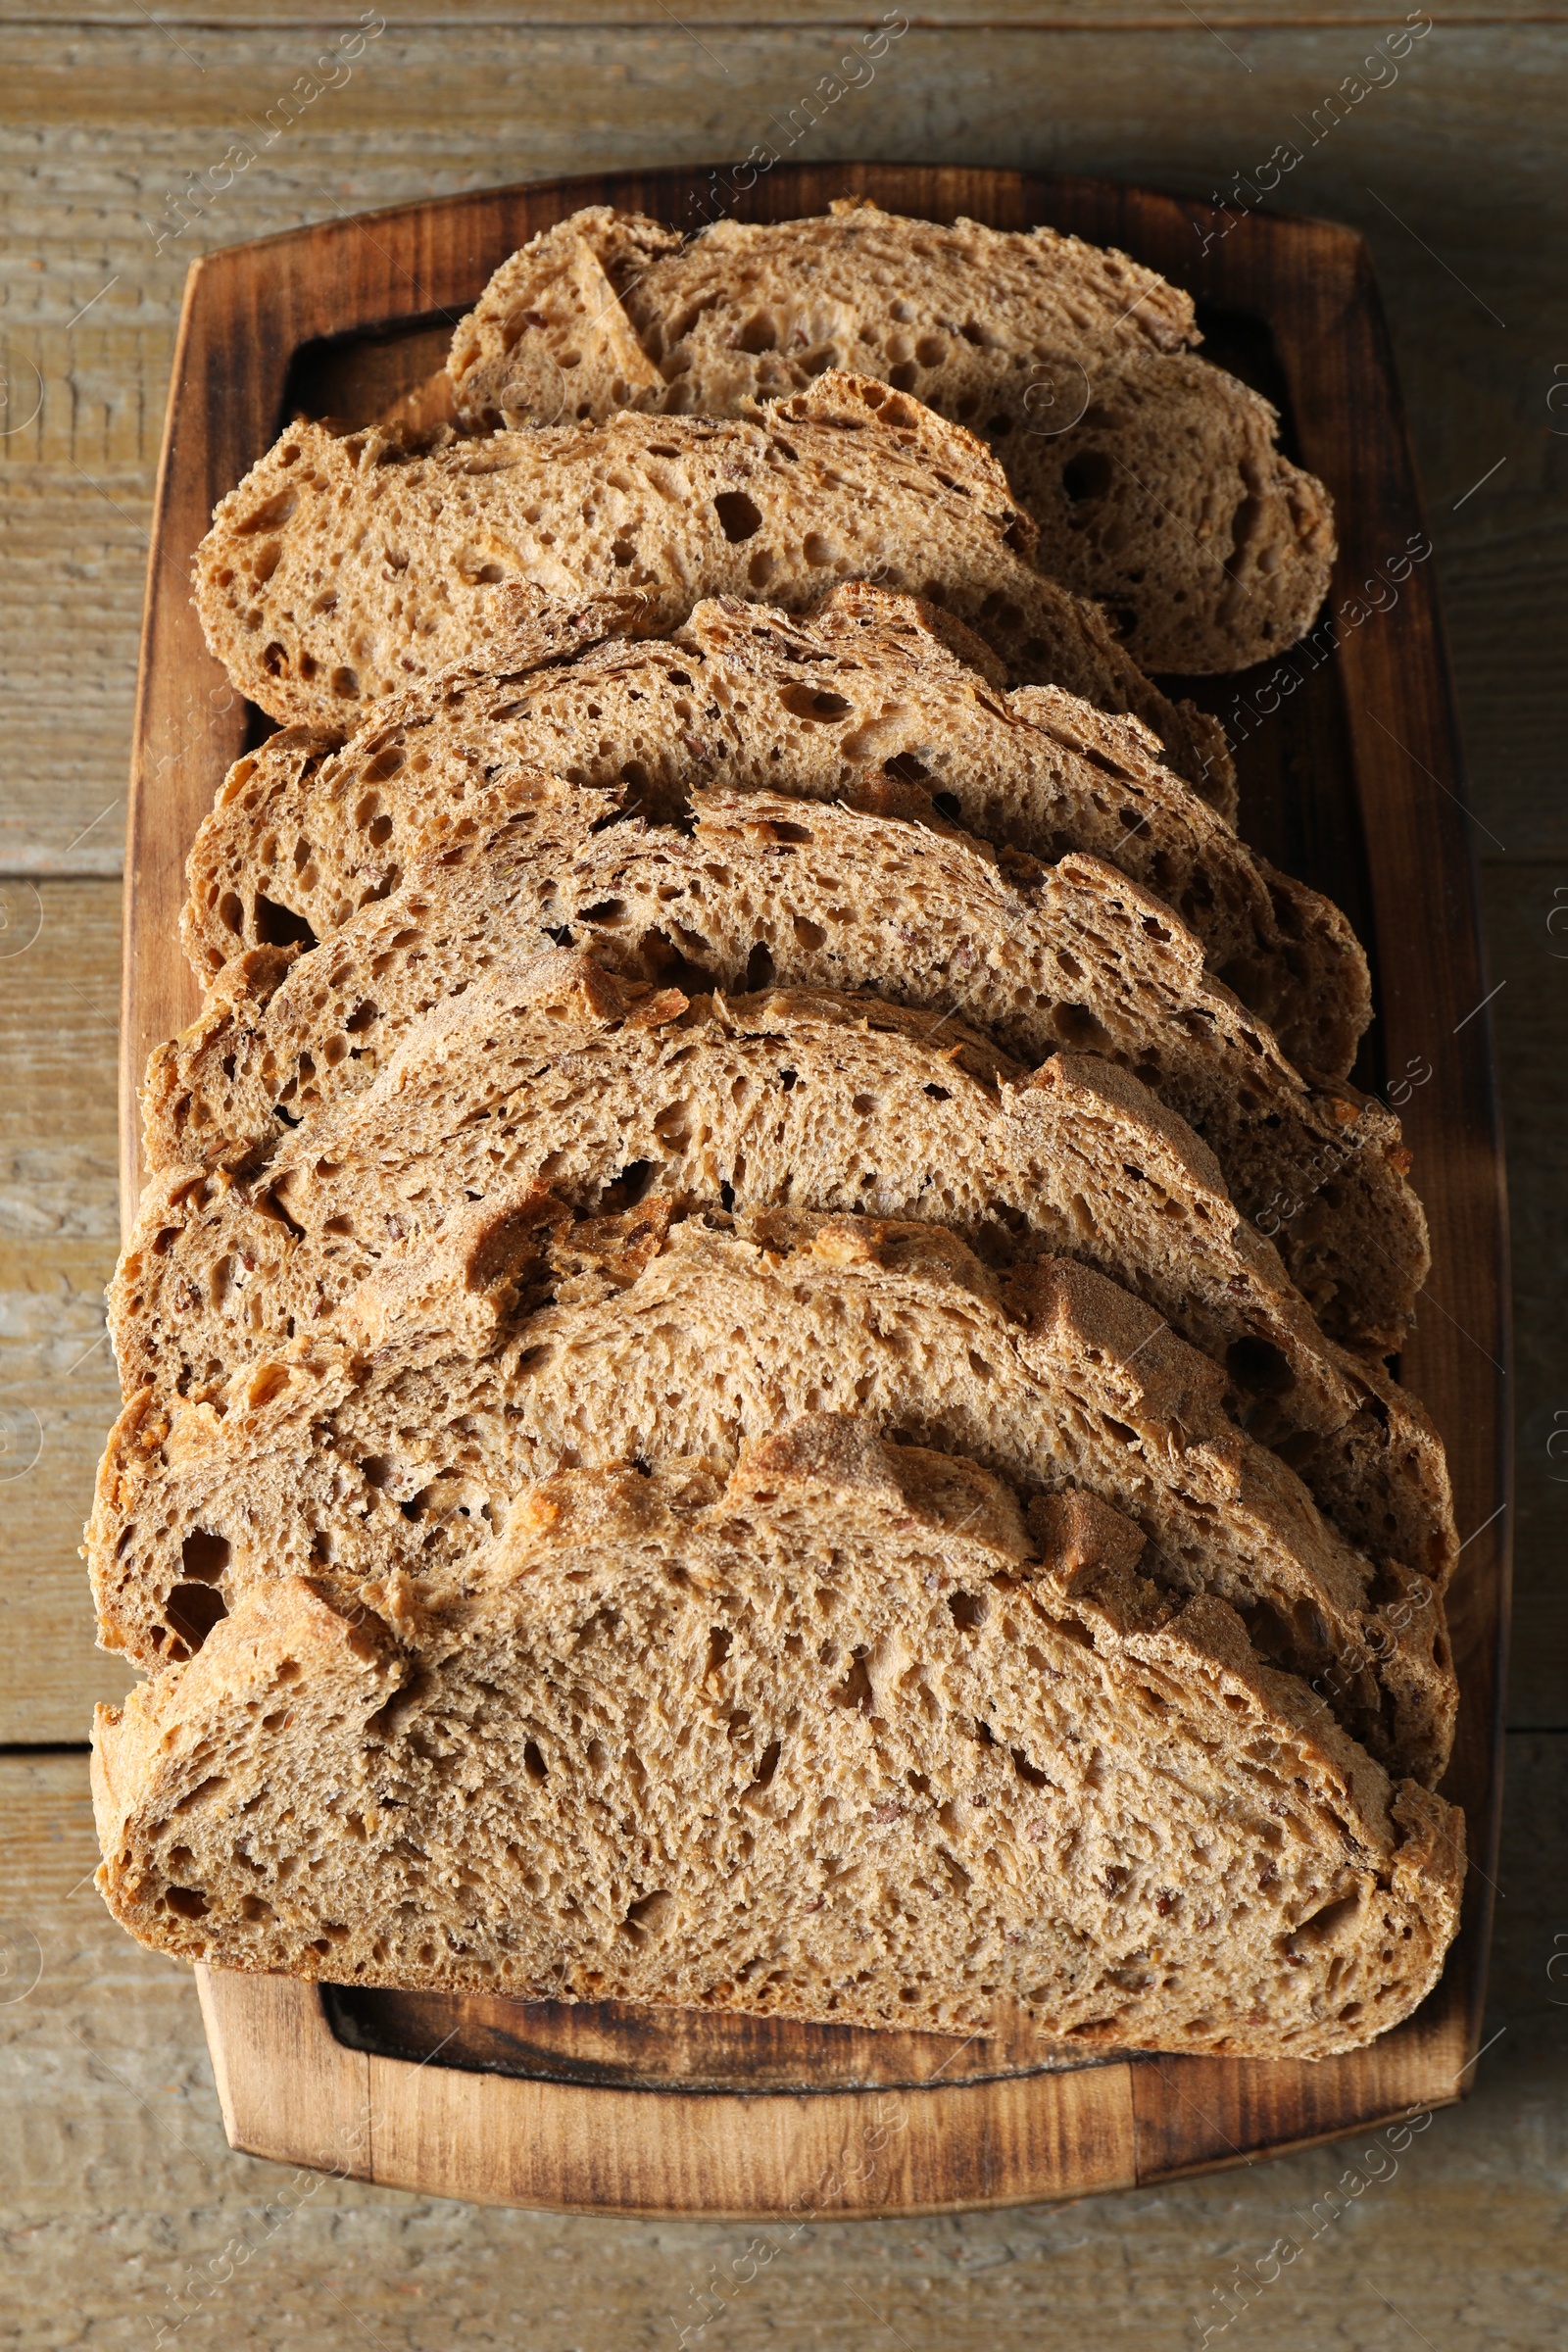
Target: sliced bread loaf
x,y
395,1438
1153,478
344,567
813,894
560,1073
871,691
843,1738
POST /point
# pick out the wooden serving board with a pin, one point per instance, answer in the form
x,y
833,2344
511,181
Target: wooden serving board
x,y
1350,777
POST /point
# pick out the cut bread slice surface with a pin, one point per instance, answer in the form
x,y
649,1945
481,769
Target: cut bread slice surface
x,y
395,1434
553,1071
587,362
873,692
842,1738
1153,478
345,567
889,899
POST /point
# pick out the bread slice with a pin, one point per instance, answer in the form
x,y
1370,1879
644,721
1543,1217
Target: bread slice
x,y
843,1738
814,894
346,566
568,349
871,692
561,1073
394,1437
1153,478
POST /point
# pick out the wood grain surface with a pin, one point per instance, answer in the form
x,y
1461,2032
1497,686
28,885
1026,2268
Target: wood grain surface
x,y
723,16
59,1235
1342,796
123,2210
116,2181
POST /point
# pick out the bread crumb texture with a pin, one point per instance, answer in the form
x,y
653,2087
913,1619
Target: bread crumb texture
x,y
720,1407
840,1737
1153,479
437,839
347,566
521,1342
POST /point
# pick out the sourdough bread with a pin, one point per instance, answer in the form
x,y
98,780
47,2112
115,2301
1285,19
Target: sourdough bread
x,y
812,894
561,1073
394,1437
344,567
842,1738
1153,478
718,1311
871,692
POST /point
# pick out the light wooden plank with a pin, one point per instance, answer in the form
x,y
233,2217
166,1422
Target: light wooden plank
x,y
1464,149
59,1233
716,15
122,2189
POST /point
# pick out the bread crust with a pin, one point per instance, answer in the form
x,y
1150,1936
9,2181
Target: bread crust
x,y
752,1456
553,1069
869,695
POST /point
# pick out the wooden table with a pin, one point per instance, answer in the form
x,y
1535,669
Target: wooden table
x,y
119,124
